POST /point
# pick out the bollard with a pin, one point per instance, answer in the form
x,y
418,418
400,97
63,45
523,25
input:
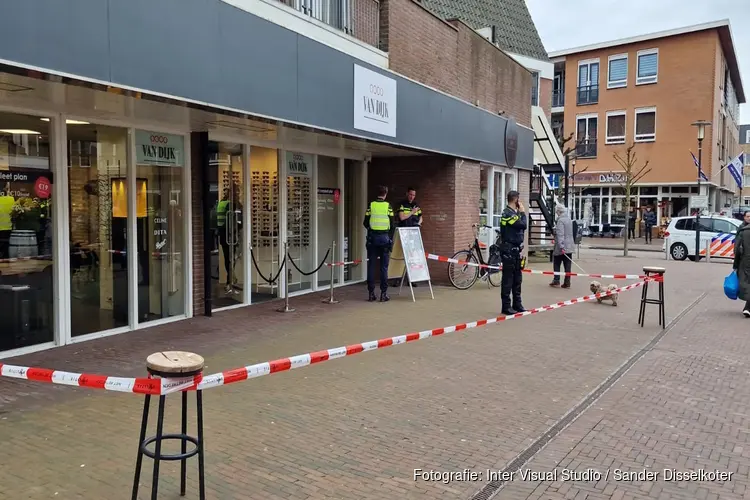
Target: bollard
x,y
666,248
708,251
330,299
286,308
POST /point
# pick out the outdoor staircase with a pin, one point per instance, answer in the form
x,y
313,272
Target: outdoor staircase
x,y
541,216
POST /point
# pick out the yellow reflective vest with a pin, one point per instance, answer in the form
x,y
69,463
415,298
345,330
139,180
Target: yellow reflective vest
x,y
380,214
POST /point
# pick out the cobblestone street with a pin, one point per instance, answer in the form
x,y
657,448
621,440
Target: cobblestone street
x,y
357,428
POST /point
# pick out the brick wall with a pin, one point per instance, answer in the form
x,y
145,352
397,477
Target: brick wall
x,y
197,144
365,21
453,58
447,192
545,97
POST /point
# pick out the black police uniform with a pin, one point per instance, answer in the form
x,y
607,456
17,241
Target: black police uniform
x,y
404,208
379,246
512,228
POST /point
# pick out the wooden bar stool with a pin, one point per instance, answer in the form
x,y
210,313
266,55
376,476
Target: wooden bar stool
x,y
658,273
172,364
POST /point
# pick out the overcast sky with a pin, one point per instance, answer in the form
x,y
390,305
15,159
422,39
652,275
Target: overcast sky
x,y
567,24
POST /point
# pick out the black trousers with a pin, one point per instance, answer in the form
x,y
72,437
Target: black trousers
x,y
567,263
511,282
649,236
378,248
225,250
631,233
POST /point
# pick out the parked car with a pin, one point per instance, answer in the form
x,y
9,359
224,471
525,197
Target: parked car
x,y
680,235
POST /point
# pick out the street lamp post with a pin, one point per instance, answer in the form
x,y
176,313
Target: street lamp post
x,y
701,124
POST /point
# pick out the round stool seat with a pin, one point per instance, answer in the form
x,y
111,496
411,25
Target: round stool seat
x,y
654,269
175,363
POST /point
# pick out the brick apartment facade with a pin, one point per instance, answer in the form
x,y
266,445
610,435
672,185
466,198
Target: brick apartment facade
x,y
648,90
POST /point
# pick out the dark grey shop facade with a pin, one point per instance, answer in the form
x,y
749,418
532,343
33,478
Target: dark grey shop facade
x,y
176,135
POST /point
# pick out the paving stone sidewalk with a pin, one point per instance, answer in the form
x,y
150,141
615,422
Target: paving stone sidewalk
x,y
354,428
684,407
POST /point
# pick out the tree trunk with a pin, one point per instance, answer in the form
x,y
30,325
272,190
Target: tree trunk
x,y
627,221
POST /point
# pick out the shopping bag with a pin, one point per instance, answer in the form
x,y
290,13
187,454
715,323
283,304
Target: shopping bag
x,y
732,286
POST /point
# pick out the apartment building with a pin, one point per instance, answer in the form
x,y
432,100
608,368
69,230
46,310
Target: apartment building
x,y
745,148
647,90
162,159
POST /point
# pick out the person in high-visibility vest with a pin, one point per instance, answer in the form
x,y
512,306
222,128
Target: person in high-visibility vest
x,y
380,224
222,209
6,223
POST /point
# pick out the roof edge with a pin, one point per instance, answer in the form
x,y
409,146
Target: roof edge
x,y
640,38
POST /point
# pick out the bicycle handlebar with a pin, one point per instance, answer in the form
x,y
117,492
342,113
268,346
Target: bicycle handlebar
x,y
482,225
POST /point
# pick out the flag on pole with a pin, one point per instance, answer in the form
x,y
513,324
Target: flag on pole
x,y
700,172
735,167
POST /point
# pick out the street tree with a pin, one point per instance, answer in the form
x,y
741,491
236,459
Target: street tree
x,y
632,173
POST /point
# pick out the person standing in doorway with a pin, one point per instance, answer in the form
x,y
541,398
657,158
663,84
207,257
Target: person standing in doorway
x,y
512,228
649,221
564,244
409,213
631,223
380,224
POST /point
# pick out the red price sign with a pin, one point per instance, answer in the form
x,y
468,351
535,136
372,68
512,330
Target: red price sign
x,y
43,187
336,196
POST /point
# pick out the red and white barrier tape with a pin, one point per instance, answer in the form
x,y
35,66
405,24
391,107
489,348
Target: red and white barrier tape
x,y
440,258
348,263
157,386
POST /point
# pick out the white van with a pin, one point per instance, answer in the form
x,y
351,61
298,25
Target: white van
x,y
717,231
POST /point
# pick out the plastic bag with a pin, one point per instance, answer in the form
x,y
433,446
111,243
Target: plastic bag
x,y
732,286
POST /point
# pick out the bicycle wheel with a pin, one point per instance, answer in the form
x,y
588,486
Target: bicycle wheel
x,y
495,277
463,276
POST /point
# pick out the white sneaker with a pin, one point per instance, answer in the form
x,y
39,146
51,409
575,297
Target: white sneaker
x,y
746,313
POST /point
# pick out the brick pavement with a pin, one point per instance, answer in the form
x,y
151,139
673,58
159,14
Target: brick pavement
x,y
685,405
352,428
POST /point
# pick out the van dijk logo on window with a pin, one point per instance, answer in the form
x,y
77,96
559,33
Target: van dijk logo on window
x,y
153,148
374,102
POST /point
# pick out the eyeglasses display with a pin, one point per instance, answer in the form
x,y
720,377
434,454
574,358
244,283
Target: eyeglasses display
x,y
298,211
264,189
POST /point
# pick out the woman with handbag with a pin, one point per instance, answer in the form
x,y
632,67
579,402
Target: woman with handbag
x,y
741,263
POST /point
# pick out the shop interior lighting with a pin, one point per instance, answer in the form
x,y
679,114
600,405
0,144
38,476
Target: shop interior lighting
x,y
19,131
69,122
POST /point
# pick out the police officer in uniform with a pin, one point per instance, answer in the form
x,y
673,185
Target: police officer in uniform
x,y
380,224
512,228
409,214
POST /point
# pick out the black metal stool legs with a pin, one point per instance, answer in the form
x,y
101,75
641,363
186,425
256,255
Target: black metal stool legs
x,y
139,460
183,449
157,452
662,306
656,274
201,448
642,313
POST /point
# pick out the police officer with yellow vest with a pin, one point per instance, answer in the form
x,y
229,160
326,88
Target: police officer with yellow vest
x,y
380,224
512,228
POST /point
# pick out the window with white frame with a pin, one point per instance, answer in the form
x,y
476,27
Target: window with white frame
x,y
747,158
648,66
747,136
645,124
535,88
586,133
617,71
746,201
615,127
746,180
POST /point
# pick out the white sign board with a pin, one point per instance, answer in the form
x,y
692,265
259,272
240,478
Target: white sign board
x,y
374,102
298,164
414,256
154,148
699,201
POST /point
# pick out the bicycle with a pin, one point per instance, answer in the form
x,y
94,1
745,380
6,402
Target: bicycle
x,y
463,276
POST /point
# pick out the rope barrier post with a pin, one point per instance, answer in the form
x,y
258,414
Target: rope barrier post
x,y
666,248
708,251
286,308
330,299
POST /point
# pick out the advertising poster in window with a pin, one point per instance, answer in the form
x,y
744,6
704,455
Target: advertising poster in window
x,y
414,256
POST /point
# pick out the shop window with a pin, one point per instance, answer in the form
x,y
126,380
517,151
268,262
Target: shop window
x,y
264,226
484,194
504,182
98,221
26,232
329,196
299,219
160,234
354,210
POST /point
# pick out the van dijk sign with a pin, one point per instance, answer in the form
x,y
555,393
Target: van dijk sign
x,y
153,148
374,102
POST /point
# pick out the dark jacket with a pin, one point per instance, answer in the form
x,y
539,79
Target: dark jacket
x,y
631,220
742,260
649,218
512,227
404,208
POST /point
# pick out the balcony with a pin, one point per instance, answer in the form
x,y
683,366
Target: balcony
x,y
586,148
558,98
335,13
588,94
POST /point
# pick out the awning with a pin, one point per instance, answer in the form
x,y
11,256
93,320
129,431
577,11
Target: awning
x,y
547,153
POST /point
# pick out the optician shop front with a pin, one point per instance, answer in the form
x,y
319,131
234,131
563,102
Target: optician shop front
x,y
137,194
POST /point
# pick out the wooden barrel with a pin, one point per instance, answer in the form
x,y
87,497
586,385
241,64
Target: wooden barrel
x,y
22,244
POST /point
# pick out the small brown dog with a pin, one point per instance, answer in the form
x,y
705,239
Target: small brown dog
x,y
597,287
